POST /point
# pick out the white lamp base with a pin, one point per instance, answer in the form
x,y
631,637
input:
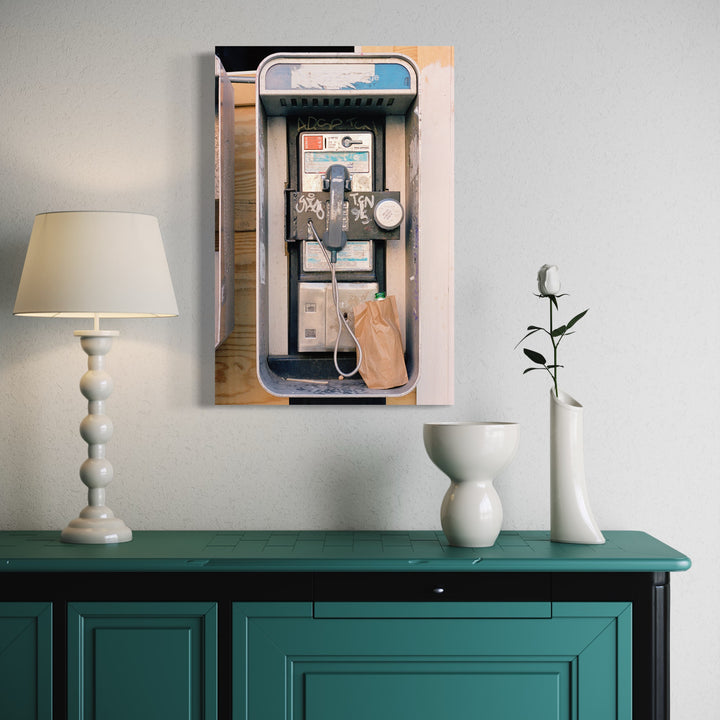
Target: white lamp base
x,y
96,525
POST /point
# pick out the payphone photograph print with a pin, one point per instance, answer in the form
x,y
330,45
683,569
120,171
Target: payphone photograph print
x,y
334,225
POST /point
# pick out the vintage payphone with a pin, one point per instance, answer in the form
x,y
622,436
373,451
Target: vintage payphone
x,y
337,179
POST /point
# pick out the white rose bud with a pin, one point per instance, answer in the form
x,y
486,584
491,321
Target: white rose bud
x,y
549,280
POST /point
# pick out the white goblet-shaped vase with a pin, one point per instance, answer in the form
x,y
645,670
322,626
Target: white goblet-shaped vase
x,y
471,454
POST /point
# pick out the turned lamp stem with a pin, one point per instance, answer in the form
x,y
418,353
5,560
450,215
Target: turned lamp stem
x,y
96,522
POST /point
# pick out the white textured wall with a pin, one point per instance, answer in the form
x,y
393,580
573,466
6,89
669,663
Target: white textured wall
x,y
587,135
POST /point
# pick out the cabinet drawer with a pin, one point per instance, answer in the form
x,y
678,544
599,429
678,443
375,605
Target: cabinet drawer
x,y
434,610
467,587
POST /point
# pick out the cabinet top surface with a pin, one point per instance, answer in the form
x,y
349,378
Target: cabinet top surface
x,y
337,551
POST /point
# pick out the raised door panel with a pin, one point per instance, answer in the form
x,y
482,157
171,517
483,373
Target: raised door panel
x,y
564,667
25,661
437,689
142,661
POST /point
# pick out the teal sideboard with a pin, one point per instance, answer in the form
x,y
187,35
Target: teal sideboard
x,y
254,625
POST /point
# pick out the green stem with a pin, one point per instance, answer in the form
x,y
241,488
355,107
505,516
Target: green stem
x,y
554,344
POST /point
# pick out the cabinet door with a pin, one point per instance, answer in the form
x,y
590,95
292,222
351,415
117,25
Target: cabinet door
x,y
382,663
142,661
25,661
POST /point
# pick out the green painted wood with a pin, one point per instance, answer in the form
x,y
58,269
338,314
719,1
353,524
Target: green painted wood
x,y
516,691
142,661
198,551
604,689
433,610
273,609
243,673
575,666
590,609
624,664
416,637
25,661
597,678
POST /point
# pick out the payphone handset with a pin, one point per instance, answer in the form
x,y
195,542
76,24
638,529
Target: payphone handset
x,y
320,150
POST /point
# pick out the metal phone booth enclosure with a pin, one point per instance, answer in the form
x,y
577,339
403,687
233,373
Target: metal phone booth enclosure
x,y
338,151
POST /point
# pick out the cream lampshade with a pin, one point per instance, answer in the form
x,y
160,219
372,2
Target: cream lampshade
x,y
96,265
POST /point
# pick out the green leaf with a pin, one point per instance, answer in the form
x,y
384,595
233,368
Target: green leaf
x,y
532,332
562,337
536,357
576,318
559,331
527,370
553,300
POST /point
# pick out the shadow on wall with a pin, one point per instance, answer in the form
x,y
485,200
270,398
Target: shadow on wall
x,y
358,491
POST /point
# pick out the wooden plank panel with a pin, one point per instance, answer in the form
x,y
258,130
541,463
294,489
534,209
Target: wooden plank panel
x,y
245,168
422,55
409,399
236,380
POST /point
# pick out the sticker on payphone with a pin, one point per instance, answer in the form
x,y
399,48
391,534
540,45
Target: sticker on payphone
x,y
357,255
320,150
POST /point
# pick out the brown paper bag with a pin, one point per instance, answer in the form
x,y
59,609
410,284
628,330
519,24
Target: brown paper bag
x,y
377,328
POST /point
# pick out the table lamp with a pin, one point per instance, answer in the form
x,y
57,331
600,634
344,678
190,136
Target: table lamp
x,y
96,265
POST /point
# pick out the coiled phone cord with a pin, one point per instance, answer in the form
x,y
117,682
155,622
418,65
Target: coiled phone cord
x,y
341,319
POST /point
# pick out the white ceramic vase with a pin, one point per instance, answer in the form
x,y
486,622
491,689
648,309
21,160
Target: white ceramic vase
x,y
571,519
471,454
